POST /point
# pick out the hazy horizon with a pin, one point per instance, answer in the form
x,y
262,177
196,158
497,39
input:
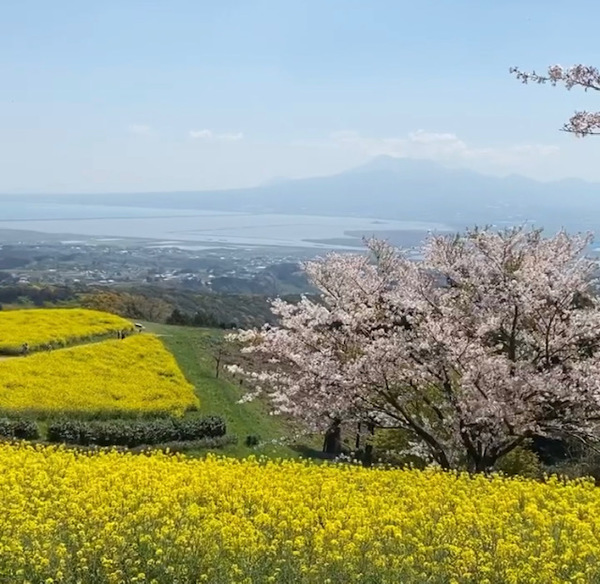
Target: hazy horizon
x,y
280,180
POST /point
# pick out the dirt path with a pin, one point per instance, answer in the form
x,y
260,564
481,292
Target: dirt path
x,y
94,341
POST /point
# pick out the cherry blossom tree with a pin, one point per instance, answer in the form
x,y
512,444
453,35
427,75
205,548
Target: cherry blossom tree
x,y
581,123
490,339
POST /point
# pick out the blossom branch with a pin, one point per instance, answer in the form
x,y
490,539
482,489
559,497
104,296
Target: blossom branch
x,y
581,123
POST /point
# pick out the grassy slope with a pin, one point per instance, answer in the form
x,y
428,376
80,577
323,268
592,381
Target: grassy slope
x,y
219,396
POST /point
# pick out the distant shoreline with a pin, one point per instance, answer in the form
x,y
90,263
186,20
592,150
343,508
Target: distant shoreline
x,y
172,228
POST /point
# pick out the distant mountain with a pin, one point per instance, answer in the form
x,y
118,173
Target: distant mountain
x,y
396,188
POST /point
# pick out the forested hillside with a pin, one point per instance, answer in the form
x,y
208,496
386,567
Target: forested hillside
x,y
151,303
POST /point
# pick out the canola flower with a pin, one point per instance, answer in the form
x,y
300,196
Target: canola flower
x,y
134,375
54,326
70,517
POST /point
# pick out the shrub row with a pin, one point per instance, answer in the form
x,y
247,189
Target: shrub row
x,y
203,444
22,429
170,447
132,433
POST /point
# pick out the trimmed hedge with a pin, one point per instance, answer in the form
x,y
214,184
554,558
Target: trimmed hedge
x,y
132,433
167,447
202,444
21,429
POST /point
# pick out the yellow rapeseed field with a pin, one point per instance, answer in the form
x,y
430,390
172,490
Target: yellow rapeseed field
x,y
40,327
134,375
72,517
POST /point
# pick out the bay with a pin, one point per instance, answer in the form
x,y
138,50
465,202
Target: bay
x,y
180,226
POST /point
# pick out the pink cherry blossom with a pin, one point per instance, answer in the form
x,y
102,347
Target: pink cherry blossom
x,y
492,338
581,123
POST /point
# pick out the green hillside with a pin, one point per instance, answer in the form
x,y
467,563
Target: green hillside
x,y
192,349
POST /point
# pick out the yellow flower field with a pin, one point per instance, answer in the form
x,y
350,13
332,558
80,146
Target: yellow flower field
x,y
56,326
134,375
106,518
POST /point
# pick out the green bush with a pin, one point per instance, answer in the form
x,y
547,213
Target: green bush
x,y
21,429
252,440
391,449
520,462
171,447
132,433
202,444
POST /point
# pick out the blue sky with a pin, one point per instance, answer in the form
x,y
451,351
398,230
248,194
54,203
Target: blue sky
x,y
134,95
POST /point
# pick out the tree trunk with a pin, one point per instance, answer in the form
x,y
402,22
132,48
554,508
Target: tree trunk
x,y
482,464
357,444
368,456
332,445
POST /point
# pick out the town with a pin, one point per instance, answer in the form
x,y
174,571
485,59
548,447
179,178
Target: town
x,y
92,262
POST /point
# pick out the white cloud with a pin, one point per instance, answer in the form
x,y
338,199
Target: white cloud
x,y
209,135
444,147
140,129
201,134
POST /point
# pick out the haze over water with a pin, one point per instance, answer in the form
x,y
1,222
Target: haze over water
x,y
179,226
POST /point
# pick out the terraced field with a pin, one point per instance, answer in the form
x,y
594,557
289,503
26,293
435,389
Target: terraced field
x,y
136,375
51,328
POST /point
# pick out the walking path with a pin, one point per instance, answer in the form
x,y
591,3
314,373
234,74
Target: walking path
x,y
93,341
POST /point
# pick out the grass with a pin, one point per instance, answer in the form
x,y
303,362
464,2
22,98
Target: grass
x,y
191,348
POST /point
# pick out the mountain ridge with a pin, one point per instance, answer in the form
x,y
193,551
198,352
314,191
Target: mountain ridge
x,y
391,188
